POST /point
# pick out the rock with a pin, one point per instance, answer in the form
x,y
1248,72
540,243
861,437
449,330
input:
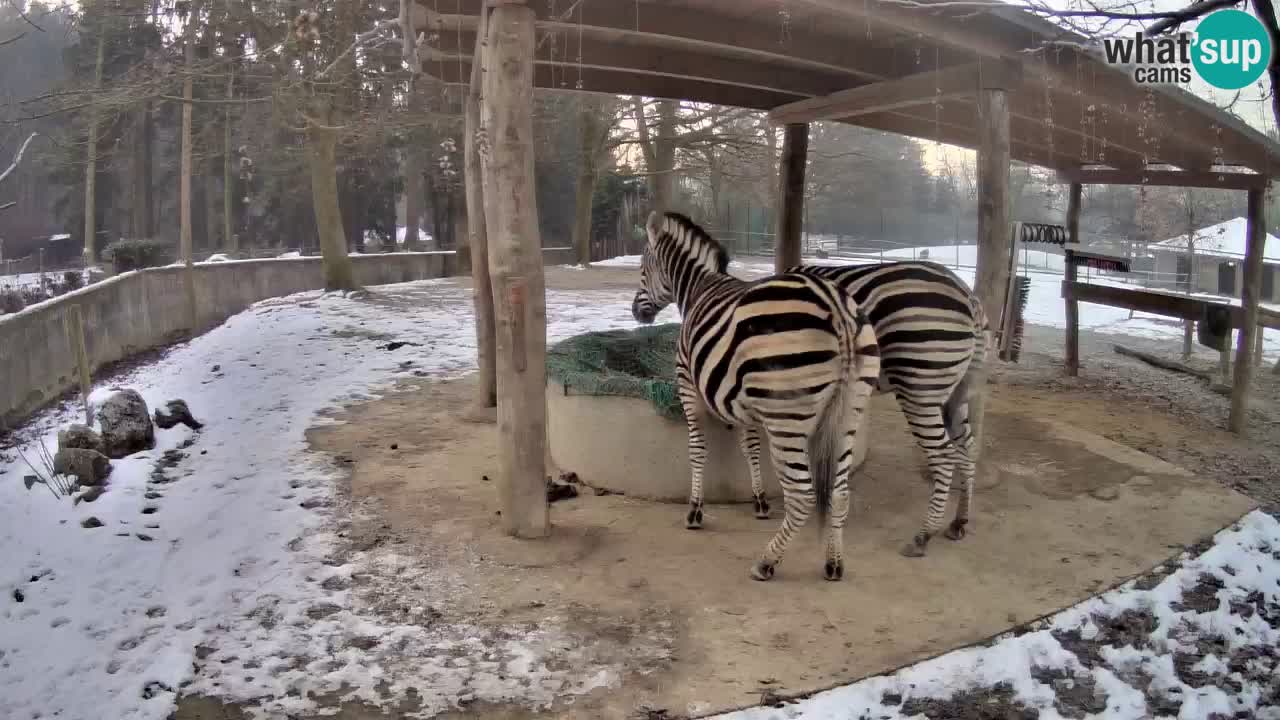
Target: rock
x,y
178,412
91,522
126,424
89,467
76,436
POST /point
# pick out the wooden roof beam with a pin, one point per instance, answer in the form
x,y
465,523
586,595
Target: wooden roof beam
x,y
928,129
1167,178
696,31
677,63
624,82
918,89
1029,130
938,28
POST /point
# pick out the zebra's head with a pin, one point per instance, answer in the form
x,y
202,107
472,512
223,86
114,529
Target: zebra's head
x,y
675,243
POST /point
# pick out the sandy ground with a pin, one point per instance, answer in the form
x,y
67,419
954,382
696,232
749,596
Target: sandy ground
x,y
676,610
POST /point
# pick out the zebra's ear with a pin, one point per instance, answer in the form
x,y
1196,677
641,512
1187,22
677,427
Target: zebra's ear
x,y
653,226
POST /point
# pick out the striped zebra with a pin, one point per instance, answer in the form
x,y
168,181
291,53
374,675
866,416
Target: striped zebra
x,y
790,353
933,337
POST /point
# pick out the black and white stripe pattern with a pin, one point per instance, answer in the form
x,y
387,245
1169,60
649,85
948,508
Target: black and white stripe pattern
x,y
790,353
933,336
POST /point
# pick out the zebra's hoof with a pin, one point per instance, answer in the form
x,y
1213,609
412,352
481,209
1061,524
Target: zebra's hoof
x,y
956,531
916,548
762,571
761,507
693,521
834,570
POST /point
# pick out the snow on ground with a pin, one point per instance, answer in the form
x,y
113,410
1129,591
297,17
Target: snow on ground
x,y
227,549
224,553
1205,644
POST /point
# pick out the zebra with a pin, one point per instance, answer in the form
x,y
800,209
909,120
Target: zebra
x,y
790,353
933,337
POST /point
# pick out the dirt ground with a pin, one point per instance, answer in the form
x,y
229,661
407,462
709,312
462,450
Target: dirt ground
x,y
676,608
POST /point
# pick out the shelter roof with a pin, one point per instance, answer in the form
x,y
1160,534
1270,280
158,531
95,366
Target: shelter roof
x,y
908,66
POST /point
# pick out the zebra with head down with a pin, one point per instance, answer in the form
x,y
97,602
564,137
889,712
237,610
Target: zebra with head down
x,y
790,354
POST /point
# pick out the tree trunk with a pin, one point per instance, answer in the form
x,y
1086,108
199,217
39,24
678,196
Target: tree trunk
x,y
662,174
589,122
140,174
795,154
477,239
184,183
415,167
515,263
229,235
91,166
322,148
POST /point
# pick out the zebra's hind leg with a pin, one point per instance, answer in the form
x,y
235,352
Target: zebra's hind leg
x,y
927,426
749,440
834,568
791,464
965,466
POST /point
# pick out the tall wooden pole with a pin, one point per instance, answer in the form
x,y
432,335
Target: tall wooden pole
x,y
1073,307
994,247
477,239
1249,296
515,267
795,152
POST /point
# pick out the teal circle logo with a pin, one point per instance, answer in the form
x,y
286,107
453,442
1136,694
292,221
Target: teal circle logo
x,y
1232,49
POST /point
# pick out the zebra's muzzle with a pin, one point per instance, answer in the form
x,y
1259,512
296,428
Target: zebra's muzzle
x,y
643,311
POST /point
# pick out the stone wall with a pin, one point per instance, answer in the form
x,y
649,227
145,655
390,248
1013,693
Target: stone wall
x,y
145,309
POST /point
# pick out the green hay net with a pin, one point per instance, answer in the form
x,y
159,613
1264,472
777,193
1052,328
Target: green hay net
x,y
638,363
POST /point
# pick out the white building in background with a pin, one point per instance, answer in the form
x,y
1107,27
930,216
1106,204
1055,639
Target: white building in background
x,y
1218,264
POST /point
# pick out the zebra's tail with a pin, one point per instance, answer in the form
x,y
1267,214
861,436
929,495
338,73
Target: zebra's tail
x,y
861,354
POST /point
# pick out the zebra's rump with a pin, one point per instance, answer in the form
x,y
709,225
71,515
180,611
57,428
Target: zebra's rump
x,y
764,348
926,321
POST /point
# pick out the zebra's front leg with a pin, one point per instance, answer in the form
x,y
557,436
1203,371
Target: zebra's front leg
x,y
697,447
791,464
749,439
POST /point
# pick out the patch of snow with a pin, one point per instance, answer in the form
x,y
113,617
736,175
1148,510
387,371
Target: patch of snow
x,y
219,257
290,254
231,549
1241,558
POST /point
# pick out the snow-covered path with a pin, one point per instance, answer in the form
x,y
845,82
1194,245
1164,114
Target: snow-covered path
x,y
238,525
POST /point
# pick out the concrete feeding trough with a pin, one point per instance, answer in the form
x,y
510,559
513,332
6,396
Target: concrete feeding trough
x,y
604,424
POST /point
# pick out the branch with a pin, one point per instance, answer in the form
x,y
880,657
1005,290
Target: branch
x,y
17,159
410,50
360,40
13,39
1191,12
8,205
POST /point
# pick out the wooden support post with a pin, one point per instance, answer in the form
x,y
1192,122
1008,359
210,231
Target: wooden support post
x,y
515,267
477,240
795,153
1252,291
75,338
1073,307
994,246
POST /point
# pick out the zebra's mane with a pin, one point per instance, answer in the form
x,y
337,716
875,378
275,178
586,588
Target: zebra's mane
x,y
696,241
